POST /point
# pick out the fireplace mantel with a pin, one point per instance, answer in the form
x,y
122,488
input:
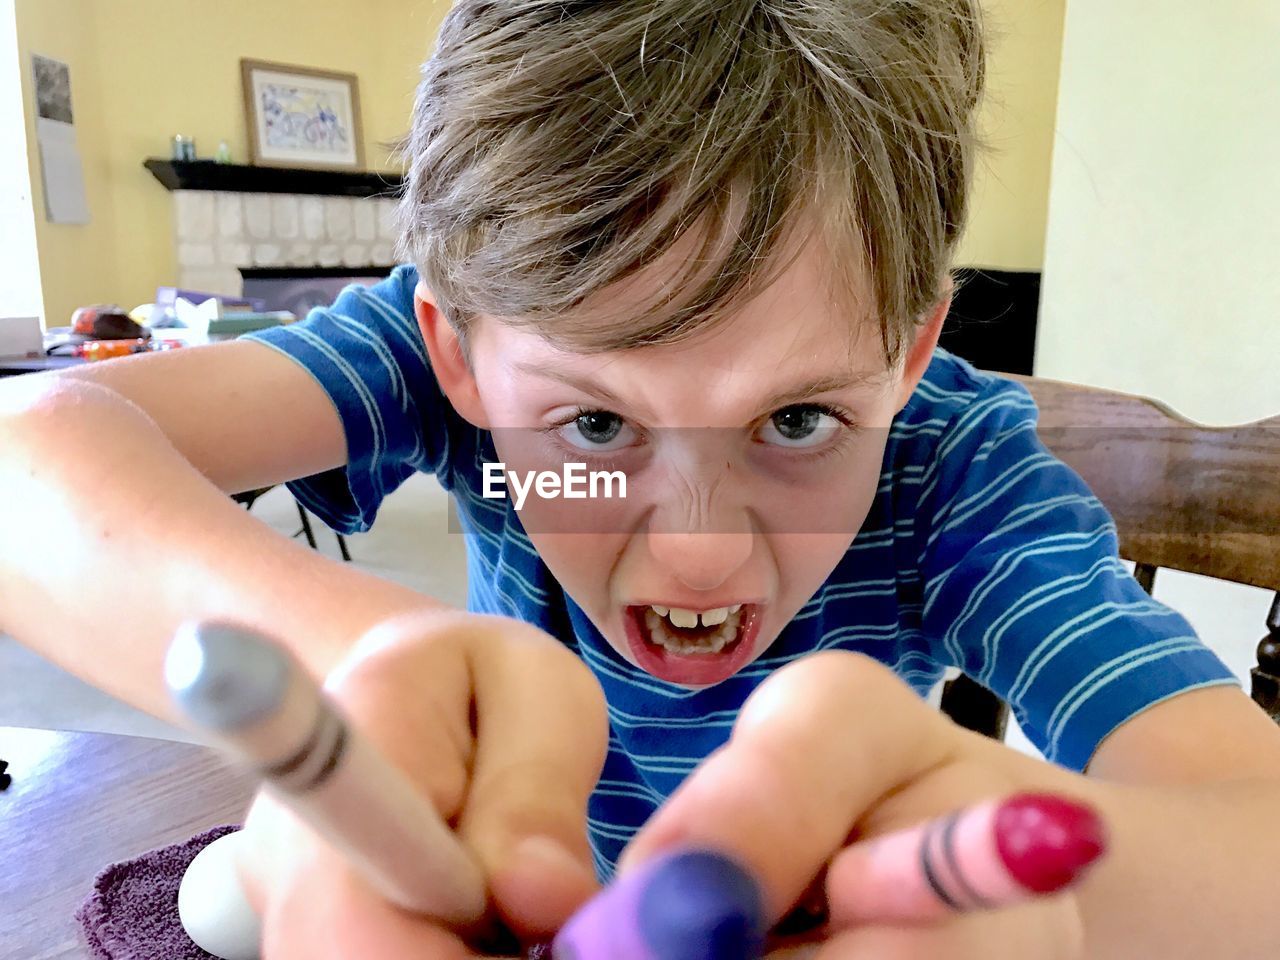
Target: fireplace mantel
x,y
235,178
228,218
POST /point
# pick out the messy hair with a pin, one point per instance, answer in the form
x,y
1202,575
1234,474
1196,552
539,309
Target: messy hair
x,y
560,147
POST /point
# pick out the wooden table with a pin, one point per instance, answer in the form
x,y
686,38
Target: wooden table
x,y
13,366
80,801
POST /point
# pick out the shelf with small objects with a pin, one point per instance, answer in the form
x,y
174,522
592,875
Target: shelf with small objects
x,y
239,178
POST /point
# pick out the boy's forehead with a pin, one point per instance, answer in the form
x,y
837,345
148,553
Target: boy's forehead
x,y
802,266
797,319
791,341
794,333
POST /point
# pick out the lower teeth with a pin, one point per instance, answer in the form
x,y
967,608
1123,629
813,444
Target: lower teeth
x,y
660,636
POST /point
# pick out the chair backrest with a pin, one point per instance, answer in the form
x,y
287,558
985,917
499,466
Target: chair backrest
x,y
1184,496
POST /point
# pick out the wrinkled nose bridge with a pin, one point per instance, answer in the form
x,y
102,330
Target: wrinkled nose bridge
x,y
700,531
697,496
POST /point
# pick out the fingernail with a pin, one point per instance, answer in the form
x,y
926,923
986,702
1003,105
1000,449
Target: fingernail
x,y
546,855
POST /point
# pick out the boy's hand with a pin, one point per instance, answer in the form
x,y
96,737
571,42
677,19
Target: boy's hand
x,y
833,749
505,729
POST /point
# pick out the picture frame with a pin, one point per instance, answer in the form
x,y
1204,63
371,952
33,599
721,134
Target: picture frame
x,y
302,116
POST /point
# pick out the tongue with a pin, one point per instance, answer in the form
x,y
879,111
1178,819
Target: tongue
x,y
690,633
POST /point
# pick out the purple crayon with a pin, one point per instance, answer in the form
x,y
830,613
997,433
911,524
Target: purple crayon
x,y
689,905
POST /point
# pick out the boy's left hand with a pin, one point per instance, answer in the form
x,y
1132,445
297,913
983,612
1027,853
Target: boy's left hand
x,y
834,749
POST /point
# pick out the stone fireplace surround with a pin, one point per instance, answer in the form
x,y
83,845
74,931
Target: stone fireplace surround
x,y
231,217
218,232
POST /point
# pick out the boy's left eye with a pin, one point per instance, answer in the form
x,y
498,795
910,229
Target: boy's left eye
x,y
802,425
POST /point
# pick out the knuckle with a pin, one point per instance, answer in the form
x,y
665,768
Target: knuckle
x,y
842,674
396,638
499,637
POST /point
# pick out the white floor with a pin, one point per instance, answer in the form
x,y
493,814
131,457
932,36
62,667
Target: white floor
x,y
411,544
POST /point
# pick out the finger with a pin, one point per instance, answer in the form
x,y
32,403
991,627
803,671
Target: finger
x,y
800,951
542,734
813,748
324,912
982,857
507,731
1042,931
406,685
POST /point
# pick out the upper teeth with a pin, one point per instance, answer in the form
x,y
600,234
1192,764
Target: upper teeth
x,y
689,619
683,618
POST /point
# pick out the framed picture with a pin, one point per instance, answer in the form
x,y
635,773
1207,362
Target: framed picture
x,y
302,117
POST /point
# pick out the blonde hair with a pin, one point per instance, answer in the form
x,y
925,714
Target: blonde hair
x,y
560,147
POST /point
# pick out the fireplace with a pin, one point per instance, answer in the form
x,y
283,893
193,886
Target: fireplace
x,y
299,289
236,224
307,233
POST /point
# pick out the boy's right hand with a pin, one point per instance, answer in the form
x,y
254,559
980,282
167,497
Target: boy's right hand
x,y
504,729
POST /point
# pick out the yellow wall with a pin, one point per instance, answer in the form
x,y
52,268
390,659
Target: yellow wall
x,y
20,294
76,262
143,70
1011,187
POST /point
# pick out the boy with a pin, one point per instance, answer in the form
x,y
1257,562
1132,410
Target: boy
x,y
704,246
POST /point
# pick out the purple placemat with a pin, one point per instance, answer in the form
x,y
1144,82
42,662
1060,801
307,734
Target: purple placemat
x,y
132,913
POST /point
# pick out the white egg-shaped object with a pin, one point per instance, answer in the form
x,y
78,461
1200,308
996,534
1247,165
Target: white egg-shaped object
x,y
212,904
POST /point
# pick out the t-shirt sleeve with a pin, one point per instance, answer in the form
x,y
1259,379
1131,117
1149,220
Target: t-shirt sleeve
x,y
1025,592
366,352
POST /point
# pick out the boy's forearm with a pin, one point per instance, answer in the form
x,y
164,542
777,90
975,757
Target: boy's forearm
x,y
109,539
1190,870
1191,873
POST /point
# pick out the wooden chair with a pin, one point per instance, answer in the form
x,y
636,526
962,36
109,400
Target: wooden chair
x,y
1184,496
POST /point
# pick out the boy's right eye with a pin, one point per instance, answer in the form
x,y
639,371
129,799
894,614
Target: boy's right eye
x,y
597,431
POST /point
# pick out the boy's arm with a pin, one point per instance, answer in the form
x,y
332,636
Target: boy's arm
x,y
244,415
115,525
1192,785
1191,855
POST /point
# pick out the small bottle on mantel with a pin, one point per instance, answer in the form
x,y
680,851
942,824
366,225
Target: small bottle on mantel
x,y
183,149
224,152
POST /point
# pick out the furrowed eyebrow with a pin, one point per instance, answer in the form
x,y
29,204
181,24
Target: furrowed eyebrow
x,y
585,386
788,397
823,385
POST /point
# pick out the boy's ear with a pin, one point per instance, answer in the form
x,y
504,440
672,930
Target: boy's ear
x,y
923,345
450,367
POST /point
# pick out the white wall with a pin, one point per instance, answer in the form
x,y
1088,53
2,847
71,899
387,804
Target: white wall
x,y
1162,256
1162,259
19,267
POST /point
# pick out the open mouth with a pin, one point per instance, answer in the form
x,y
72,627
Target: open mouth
x,y
692,647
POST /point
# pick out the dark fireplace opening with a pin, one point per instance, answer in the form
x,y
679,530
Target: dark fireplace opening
x,y
298,289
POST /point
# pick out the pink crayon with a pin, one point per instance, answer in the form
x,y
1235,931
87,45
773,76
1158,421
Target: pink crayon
x,y
993,855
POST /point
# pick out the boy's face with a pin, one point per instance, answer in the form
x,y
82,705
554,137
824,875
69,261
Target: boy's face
x,y
752,454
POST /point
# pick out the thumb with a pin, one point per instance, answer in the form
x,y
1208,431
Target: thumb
x,y
541,735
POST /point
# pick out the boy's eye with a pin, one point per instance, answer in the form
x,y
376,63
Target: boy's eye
x,y
597,430
803,425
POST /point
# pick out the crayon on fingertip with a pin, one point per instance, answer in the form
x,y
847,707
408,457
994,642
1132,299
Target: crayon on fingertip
x,y
259,705
689,905
1047,842
993,855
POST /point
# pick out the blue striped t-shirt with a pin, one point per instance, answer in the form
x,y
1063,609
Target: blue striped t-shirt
x,y
981,551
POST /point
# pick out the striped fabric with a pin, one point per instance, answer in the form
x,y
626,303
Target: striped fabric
x,y
981,551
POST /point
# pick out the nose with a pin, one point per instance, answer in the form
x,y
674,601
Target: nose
x,y
699,535
700,560
701,531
